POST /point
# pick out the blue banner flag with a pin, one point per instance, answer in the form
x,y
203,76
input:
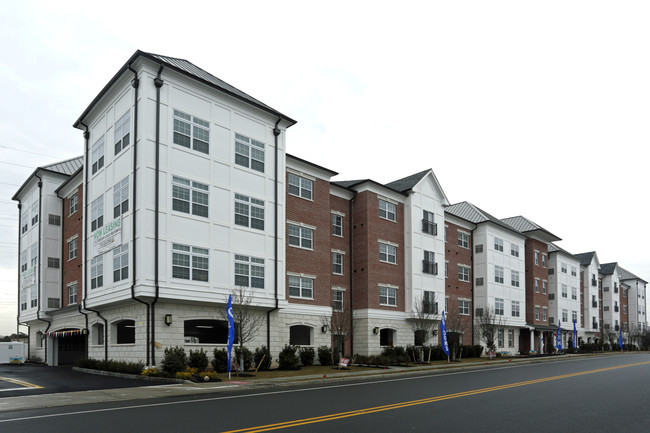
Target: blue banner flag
x,y
443,333
620,338
558,338
575,334
231,328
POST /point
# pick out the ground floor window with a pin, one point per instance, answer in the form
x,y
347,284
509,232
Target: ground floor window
x,y
300,335
124,332
97,334
386,337
206,331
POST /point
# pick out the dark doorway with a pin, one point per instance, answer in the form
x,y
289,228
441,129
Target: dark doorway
x,y
70,348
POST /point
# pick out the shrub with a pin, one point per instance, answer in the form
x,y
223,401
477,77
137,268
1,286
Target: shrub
x,y
198,359
288,358
307,355
264,356
174,360
220,361
361,359
248,356
186,375
324,355
150,371
211,375
111,365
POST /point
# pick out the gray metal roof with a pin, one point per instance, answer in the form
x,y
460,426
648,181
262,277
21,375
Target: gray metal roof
x,y
552,248
585,258
608,268
67,167
627,275
525,225
407,183
476,215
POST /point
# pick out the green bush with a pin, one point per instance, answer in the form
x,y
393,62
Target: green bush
x,y
264,356
324,355
361,359
198,359
248,357
288,358
220,361
111,365
174,360
307,355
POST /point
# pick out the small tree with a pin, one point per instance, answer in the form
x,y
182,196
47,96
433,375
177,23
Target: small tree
x,y
423,321
457,324
248,321
487,324
339,324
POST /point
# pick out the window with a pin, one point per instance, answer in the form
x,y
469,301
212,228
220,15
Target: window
x,y
544,284
34,254
249,271
428,223
54,220
207,331
386,337
387,210
498,274
53,262
429,265
72,249
500,337
498,244
574,271
190,263
121,197
544,313
122,132
98,333
249,153
565,315
97,213
387,253
73,203
301,287
337,263
514,278
564,290
536,258
191,132
249,212
34,213
34,296
121,263
337,300
574,316
463,273
463,307
479,281
24,222
301,187
515,308
72,293
536,313
544,260
563,268
498,306
388,296
300,335
97,272
97,160
463,239
124,332
337,225
189,196
478,248
429,305
23,300
574,293
537,285
514,250
301,237
511,338
23,260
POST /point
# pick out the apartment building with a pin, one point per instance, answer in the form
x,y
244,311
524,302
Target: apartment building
x,y
636,305
565,305
592,295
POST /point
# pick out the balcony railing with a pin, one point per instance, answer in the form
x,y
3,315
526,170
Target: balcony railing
x,y
616,309
429,307
593,282
430,227
429,267
594,325
594,304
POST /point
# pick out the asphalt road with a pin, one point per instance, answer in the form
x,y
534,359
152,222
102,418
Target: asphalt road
x,y
590,394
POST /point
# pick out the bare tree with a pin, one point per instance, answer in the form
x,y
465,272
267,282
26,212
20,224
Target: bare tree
x,y
635,334
248,320
488,323
457,324
340,325
423,321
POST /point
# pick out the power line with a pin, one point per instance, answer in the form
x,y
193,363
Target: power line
x,y
17,165
27,151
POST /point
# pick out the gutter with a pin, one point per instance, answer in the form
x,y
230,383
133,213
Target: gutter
x,y
20,215
276,134
351,224
135,83
85,251
40,259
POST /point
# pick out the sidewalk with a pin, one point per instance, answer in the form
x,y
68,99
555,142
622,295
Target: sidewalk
x,y
8,404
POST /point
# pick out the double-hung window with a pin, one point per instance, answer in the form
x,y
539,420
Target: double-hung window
x,y
463,273
429,265
301,186
337,263
249,271
514,250
387,253
122,132
428,223
388,296
73,203
564,290
249,153
387,210
72,293
191,132
249,212
23,260
463,307
429,305
72,249
121,263
121,197
498,274
301,287
515,308
97,155
574,293
463,239
189,196
97,213
337,225
498,244
498,306
34,255
301,237
97,272
514,278
337,300
190,263
34,213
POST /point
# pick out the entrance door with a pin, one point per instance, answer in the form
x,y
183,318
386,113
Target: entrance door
x,y
71,348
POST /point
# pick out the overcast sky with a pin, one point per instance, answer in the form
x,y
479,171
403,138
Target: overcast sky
x,y
524,108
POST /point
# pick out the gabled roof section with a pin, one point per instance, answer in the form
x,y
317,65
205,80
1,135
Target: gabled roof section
x,y
627,275
188,69
531,229
352,184
608,268
409,182
319,167
476,215
66,168
586,258
552,248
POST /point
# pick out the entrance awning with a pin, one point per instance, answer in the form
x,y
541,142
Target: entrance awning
x,y
67,333
543,327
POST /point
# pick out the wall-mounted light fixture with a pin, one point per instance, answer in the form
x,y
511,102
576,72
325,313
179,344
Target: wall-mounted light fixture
x,y
168,319
375,330
324,329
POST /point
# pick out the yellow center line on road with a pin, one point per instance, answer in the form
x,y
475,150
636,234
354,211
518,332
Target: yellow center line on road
x,y
401,405
20,382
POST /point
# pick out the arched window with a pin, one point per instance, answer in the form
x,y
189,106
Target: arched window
x,y
97,334
206,331
39,339
123,332
386,337
300,335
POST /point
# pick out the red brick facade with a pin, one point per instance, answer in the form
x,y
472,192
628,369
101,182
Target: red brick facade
x,y
536,271
71,268
458,255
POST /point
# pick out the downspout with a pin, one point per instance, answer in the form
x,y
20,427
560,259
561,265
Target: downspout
x,y
472,312
85,251
351,224
135,83
40,260
276,134
158,82
20,216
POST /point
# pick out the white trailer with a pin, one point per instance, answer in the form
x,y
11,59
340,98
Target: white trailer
x,y
12,352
